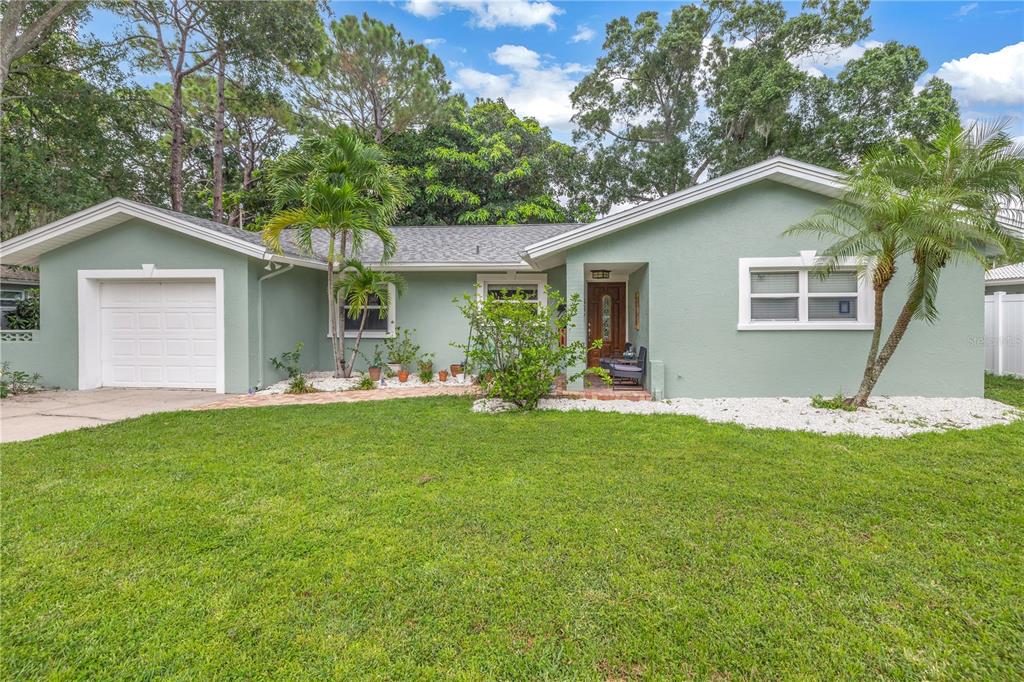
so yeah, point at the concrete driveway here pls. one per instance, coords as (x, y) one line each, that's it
(38, 414)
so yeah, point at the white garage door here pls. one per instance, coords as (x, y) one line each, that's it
(158, 334)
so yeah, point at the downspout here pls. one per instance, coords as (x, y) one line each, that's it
(259, 313)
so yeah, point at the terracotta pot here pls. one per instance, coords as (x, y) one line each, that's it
(403, 375)
(442, 376)
(427, 367)
(374, 373)
(456, 370)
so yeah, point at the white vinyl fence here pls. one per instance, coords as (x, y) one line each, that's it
(1004, 333)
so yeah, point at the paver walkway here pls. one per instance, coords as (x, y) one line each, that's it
(326, 397)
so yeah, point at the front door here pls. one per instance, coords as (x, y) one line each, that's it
(606, 319)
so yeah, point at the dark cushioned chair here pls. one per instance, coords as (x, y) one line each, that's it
(628, 372)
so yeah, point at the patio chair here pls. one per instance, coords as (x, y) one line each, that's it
(629, 374)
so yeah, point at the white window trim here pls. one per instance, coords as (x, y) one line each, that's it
(483, 281)
(806, 261)
(371, 334)
(89, 356)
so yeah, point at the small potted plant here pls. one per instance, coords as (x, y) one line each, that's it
(403, 374)
(426, 363)
(376, 364)
(456, 369)
(442, 375)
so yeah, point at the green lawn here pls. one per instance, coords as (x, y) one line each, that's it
(414, 540)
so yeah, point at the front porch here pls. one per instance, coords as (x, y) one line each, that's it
(614, 310)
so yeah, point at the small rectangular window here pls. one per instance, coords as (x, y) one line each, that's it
(505, 291)
(792, 293)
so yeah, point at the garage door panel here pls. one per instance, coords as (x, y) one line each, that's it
(150, 321)
(152, 348)
(176, 320)
(158, 334)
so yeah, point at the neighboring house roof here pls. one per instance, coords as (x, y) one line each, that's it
(9, 275)
(1007, 274)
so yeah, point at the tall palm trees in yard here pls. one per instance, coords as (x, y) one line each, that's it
(924, 205)
(343, 190)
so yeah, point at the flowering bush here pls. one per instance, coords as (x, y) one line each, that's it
(514, 345)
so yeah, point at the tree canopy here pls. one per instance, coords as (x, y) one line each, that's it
(671, 100)
(719, 86)
(484, 164)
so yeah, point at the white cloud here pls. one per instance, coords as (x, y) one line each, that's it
(516, 57)
(832, 57)
(534, 87)
(432, 42)
(996, 77)
(491, 14)
(964, 10)
(584, 34)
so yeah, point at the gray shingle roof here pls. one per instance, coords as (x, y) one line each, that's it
(450, 243)
(1015, 271)
(416, 245)
(251, 237)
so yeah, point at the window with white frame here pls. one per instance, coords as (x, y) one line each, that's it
(503, 286)
(379, 323)
(794, 293)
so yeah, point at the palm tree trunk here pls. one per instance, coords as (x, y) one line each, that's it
(339, 325)
(895, 336)
(359, 337)
(332, 313)
(867, 383)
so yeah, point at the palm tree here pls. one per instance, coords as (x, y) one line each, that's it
(937, 203)
(360, 285)
(342, 189)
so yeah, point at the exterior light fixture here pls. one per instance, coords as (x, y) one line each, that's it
(600, 274)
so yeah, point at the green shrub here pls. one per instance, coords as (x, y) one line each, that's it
(426, 374)
(839, 402)
(13, 382)
(289, 362)
(26, 314)
(517, 341)
(365, 383)
(300, 384)
(401, 350)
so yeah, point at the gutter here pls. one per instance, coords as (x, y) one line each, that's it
(259, 313)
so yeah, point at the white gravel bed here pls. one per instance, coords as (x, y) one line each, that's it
(325, 381)
(887, 417)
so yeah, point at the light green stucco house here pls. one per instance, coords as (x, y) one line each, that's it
(134, 295)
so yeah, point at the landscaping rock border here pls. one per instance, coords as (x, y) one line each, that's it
(888, 417)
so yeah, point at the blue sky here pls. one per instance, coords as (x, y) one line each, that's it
(533, 52)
